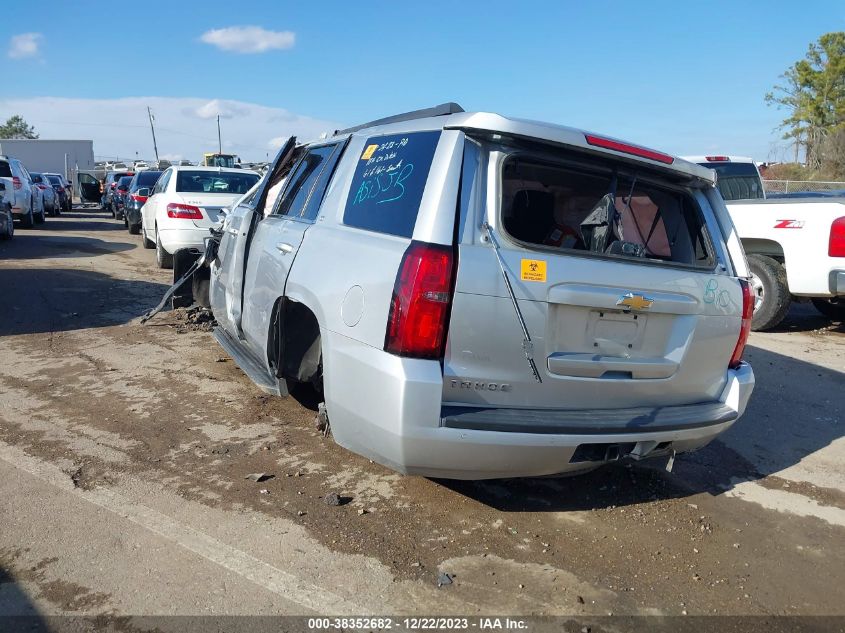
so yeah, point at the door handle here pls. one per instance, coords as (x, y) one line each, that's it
(284, 247)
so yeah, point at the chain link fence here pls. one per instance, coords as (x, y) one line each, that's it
(793, 186)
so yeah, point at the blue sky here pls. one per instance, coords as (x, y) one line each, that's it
(679, 76)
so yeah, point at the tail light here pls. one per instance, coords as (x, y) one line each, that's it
(745, 327)
(17, 182)
(139, 198)
(183, 211)
(422, 296)
(717, 159)
(836, 246)
(42, 187)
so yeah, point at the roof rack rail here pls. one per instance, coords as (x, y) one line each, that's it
(439, 110)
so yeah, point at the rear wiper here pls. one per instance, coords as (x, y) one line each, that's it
(527, 345)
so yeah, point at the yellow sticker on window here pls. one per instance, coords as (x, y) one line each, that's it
(368, 153)
(533, 270)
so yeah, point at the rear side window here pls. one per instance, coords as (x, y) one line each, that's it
(558, 206)
(389, 181)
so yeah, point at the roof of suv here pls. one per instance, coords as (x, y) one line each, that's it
(452, 116)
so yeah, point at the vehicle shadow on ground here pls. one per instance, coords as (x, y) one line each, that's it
(803, 317)
(16, 607)
(36, 244)
(796, 410)
(54, 300)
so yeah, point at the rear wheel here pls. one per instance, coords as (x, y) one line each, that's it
(134, 229)
(771, 292)
(41, 218)
(163, 258)
(28, 220)
(831, 308)
(10, 228)
(148, 243)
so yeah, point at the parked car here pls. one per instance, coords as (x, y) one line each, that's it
(63, 190)
(24, 200)
(795, 246)
(136, 197)
(7, 220)
(119, 196)
(480, 297)
(109, 185)
(184, 203)
(140, 165)
(49, 198)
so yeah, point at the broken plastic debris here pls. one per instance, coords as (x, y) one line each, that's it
(444, 579)
(259, 477)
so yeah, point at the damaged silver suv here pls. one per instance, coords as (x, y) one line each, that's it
(482, 297)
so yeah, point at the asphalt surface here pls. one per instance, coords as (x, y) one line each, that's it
(124, 452)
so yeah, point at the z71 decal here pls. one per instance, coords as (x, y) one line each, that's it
(790, 224)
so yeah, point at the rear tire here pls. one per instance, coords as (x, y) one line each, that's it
(832, 309)
(134, 229)
(28, 220)
(772, 298)
(148, 243)
(41, 218)
(163, 258)
(10, 229)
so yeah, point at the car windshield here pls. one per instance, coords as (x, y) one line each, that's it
(214, 182)
(737, 181)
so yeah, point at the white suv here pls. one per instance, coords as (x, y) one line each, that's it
(21, 192)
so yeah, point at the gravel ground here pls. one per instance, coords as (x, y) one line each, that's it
(125, 452)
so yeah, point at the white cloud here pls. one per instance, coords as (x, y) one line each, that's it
(216, 107)
(24, 45)
(248, 39)
(185, 127)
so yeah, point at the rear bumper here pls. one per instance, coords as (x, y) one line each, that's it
(177, 239)
(133, 216)
(837, 282)
(404, 427)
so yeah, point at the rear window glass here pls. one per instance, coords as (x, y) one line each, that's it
(55, 180)
(602, 213)
(737, 181)
(148, 178)
(214, 182)
(389, 181)
(124, 182)
(5, 169)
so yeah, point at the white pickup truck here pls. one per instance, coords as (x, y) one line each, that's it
(795, 246)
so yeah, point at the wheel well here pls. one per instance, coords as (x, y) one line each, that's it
(294, 347)
(769, 248)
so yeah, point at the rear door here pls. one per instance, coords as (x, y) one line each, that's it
(89, 187)
(238, 230)
(619, 328)
(278, 238)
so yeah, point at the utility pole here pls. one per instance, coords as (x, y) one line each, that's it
(152, 129)
(219, 141)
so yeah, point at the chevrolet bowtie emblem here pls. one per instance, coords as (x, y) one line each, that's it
(634, 302)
